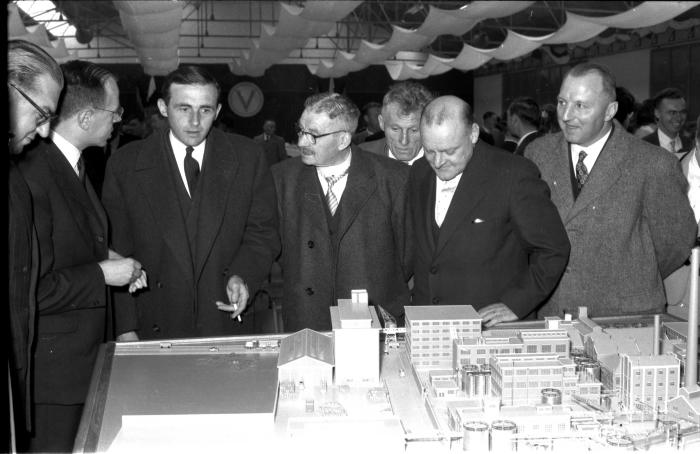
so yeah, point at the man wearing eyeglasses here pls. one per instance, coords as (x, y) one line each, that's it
(343, 219)
(196, 206)
(75, 263)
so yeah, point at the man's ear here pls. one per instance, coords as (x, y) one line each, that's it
(380, 118)
(474, 136)
(162, 107)
(345, 140)
(84, 118)
(611, 111)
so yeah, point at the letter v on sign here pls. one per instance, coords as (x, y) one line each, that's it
(245, 99)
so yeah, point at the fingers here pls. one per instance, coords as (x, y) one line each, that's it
(496, 313)
(139, 283)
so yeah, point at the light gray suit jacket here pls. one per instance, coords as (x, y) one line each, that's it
(629, 228)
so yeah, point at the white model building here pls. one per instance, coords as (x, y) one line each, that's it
(686, 405)
(306, 357)
(356, 340)
(431, 330)
(648, 382)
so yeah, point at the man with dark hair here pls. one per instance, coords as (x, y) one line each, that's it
(670, 112)
(486, 232)
(344, 219)
(488, 126)
(75, 264)
(523, 116)
(196, 206)
(400, 119)
(623, 203)
(372, 130)
(626, 107)
(271, 143)
(34, 82)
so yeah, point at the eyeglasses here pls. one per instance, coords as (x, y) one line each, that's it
(314, 137)
(45, 115)
(116, 114)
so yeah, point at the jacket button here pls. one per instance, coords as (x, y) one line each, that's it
(433, 270)
(310, 244)
(436, 300)
(156, 328)
(25, 268)
(100, 239)
(309, 291)
(159, 284)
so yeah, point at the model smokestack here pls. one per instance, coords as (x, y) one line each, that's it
(691, 352)
(657, 335)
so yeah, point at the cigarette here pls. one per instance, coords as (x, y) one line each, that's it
(235, 308)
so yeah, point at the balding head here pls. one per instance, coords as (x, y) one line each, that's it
(448, 133)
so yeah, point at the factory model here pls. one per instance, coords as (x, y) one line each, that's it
(571, 385)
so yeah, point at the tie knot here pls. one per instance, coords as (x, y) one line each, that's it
(189, 151)
(582, 155)
(331, 180)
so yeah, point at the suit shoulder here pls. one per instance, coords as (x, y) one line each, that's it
(287, 168)
(383, 165)
(34, 159)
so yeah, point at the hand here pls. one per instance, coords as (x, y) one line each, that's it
(237, 293)
(139, 283)
(118, 272)
(129, 336)
(496, 313)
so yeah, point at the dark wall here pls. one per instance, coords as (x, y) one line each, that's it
(285, 88)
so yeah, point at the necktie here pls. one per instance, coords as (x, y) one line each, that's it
(673, 146)
(331, 199)
(80, 165)
(581, 170)
(191, 170)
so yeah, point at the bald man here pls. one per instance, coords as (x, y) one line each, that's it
(487, 233)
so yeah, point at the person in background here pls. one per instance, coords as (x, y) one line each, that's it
(643, 122)
(626, 107)
(548, 119)
(372, 131)
(670, 112)
(523, 118)
(487, 129)
(272, 144)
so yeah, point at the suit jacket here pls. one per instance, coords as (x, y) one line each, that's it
(274, 148)
(520, 148)
(370, 247)
(377, 147)
(236, 233)
(501, 240)
(23, 266)
(71, 296)
(653, 139)
(629, 228)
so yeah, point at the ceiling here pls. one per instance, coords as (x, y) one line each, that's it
(250, 36)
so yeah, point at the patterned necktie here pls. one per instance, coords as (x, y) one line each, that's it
(191, 170)
(331, 199)
(673, 145)
(581, 170)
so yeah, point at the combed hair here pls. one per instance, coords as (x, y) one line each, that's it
(370, 105)
(667, 93)
(526, 109)
(410, 97)
(434, 115)
(609, 83)
(85, 87)
(336, 106)
(27, 61)
(188, 75)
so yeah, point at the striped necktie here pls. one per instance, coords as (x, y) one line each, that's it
(331, 199)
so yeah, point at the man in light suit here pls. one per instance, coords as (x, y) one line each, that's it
(400, 120)
(344, 219)
(623, 203)
(271, 143)
(75, 263)
(487, 233)
(196, 207)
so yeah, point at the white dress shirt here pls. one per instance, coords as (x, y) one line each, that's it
(694, 185)
(180, 153)
(331, 171)
(69, 150)
(592, 152)
(444, 192)
(665, 142)
(410, 163)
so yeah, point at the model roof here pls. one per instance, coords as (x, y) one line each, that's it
(306, 342)
(653, 361)
(434, 313)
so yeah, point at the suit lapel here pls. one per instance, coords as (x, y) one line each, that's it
(310, 199)
(218, 174)
(470, 190)
(562, 193)
(427, 202)
(360, 186)
(155, 179)
(604, 174)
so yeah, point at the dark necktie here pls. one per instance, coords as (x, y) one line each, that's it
(581, 170)
(191, 170)
(81, 169)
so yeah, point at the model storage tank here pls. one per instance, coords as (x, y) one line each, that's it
(619, 442)
(502, 436)
(466, 373)
(551, 396)
(588, 371)
(476, 436)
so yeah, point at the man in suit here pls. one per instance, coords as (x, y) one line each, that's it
(75, 264)
(487, 233)
(372, 131)
(400, 119)
(34, 83)
(344, 219)
(271, 143)
(523, 116)
(196, 207)
(486, 132)
(623, 203)
(670, 112)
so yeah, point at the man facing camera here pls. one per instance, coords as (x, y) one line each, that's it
(196, 206)
(344, 219)
(486, 232)
(271, 143)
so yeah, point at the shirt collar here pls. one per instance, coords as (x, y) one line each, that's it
(665, 140)
(69, 150)
(336, 169)
(525, 135)
(593, 149)
(179, 146)
(410, 163)
(440, 185)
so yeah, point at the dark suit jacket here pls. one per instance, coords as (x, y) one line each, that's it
(71, 297)
(23, 266)
(371, 248)
(520, 149)
(236, 233)
(274, 148)
(501, 240)
(377, 147)
(653, 139)
(629, 228)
